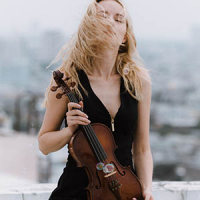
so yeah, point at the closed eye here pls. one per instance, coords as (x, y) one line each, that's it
(120, 21)
(117, 20)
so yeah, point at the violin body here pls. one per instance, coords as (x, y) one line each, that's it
(122, 185)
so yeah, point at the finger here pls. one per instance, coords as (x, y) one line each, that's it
(77, 122)
(72, 105)
(134, 199)
(76, 113)
(151, 198)
(79, 118)
(147, 197)
(81, 103)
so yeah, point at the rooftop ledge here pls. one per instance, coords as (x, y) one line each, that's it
(166, 190)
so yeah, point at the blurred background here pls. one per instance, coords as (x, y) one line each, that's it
(168, 40)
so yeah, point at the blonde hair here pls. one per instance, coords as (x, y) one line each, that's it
(93, 34)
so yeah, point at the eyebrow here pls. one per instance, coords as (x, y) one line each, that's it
(117, 14)
(120, 15)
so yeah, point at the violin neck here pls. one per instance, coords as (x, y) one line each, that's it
(90, 134)
(72, 97)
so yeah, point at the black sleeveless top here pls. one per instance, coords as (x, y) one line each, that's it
(73, 180)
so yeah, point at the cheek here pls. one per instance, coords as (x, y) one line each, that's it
(122, 31)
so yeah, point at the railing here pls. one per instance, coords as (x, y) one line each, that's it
(161, 190)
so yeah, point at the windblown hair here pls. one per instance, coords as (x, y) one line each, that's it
(95, 33)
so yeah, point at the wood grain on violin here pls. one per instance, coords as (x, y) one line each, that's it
(92, 147)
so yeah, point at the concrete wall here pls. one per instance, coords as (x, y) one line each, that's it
(18, 157)
(161, 191)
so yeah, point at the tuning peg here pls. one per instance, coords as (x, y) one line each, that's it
(59, 95)
(54, 88)
(67, 78)
(72, 84)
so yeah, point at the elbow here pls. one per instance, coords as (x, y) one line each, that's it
(142, 151)
(43, 151)
(42, 147)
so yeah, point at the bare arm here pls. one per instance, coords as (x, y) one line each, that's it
(50, 137)
(142, 153)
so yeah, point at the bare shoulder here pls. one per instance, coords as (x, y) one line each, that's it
(146, 85)
(52, 100)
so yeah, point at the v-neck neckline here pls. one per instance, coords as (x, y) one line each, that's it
(99, 100)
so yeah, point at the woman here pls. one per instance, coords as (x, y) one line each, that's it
(114, 89)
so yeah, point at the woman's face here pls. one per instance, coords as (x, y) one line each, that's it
(115, 12)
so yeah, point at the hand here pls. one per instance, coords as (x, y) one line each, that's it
(147, 195)
(76, 117)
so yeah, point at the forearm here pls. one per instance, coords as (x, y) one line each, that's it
(143, 163)
(54, 141)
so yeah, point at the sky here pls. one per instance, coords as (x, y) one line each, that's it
(171, 19)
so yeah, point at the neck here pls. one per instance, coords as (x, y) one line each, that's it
(105, 66)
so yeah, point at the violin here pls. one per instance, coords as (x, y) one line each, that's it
(92, 147)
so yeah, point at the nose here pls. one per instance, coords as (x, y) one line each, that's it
(112, 21)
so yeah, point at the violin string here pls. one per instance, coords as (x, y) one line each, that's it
(93, 135)
(89, 135)
(105, 157)
(93, 138)
(105, 160)
(99, 151)
(92, 143)
(88, 129)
